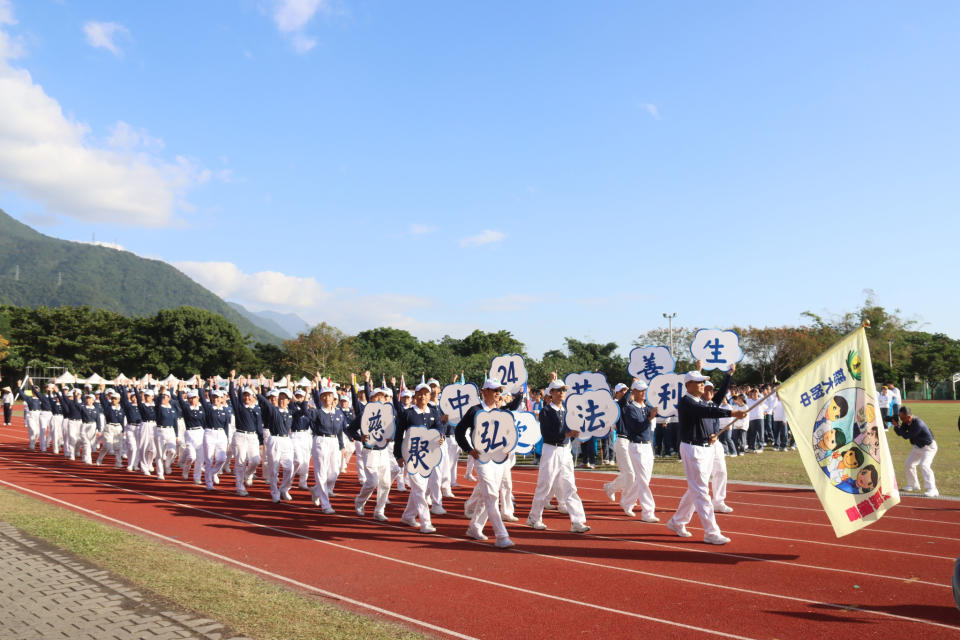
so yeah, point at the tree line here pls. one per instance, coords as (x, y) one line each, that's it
(188, 340)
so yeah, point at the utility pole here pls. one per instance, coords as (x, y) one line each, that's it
(59, 278)
(670, 317)
(890, 353)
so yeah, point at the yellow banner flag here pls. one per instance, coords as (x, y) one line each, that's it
(831, 407)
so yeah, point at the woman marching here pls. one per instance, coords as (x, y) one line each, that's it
(420, 414)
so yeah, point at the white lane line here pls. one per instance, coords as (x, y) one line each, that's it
(294, 534)
(533, 553)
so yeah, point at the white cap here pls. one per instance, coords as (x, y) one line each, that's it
(273, 393)
(433, 381)
(330, 390)
(219, 393)
(556, 384)
(406, 393)
(149, 392)
(694, 376)
(638, 385)
(422, 385)
(708, 383)
(491, 383)
(166, 393)
(285, 392)
(90, 395)
(193, 393)
(620, 386)
(248, 390)
(299, 392)
(114, 393)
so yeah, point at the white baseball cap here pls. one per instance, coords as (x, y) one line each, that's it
(491, 383)
(708, 383)
(638, 385)
(422, 385)
(193, 393)
(332, 390)
(694, 376)
(556, 384)
(406, 393)
(619, 387)
(433, 381)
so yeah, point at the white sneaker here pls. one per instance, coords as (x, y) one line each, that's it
(475, 534)
(467, 513)
(216, 478)
(428, 529)
(550, 507)
(630, 513)
(563, 510)
(410, 522)
(447, 493)
(316, 502)
(650, 519)
(286, 496)
(504, 543)
(275, 497)
(242, 492)
(358, 507)
(722, 508)
(610, 494)
(437, 510)
(329, 511)
(579, 528)
(379, 517)
(678, 529)
(538, 525)
(716, 539)
(909, 488)
(249, 482)
(932, 493)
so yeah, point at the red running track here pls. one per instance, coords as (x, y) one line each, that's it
(785, 575)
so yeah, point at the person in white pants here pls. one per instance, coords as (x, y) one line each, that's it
(216, 428)
(422, 414)
(111, 438)
(556, 464)
(696, 449)
(375, 462)
(924, 450)
(302, 438)
(31, 411)
(489, 474)
(625, 471)
(147, 435)
(277, 421)
(72, 421)
(46, 418)
(718, 475)
(166, 433)
(327, 427)
(194, 420)
(248, 436)
(638, 418)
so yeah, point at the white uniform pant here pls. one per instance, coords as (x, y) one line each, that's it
(56, 432)
(111, 441)
(32, 421)
(361, 469)
(434, 481)
(88, 435)
(345, 454)
(166, 449)
(641, 460)
(922, 456)
(147, 447)
(398, 473)
(506, 486)
(448, 468)
(626, 474)
(246, 456)
(698, 465)
(131, 441)
(376, 469)
(489, 478)
(326, 468)
(46, 434)
(471, 468)
(302, 452)
(214, 454)
(265, 461)
(281, 461)
(192, 453)
(417, 500)
(71, 439)
(718, 479)
(556, 470)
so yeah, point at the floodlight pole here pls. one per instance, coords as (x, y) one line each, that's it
(890, 353)
(670, 317)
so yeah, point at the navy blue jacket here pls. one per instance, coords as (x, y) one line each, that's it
(215, 417)
(132, 411)
(694, 417)
(917, 432)
(412, 418)
(193, 418)
(249, 419)
(636, 421)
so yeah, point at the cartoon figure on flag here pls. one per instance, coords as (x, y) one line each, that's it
(716, 348)
(831, 406)
(647, 363)
(455, 399)
(586, 381)
(511, 370)
(593, 413)
(421, 449)
(494, 435)
(528, 432)
(378, 424)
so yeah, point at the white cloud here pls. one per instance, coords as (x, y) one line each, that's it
(6, 12)
(109, 245)
(652, 110)
(292, 17)
(52, 159)
(103, 35)
(421, 229)
(487, 236)
(10, 47)
(270, 288)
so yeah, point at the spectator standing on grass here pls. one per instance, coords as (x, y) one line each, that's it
(7, 406)
(918, 433)
(885, 399)
(896, 400)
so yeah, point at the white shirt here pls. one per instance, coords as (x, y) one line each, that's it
(897, 398)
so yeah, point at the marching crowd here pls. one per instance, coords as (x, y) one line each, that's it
(307, 434)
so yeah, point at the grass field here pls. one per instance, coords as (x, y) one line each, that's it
(246, 603)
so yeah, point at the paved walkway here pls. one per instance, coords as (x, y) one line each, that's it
(47, 593)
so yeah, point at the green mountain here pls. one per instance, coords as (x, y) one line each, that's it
(37, 270)
(265, 320)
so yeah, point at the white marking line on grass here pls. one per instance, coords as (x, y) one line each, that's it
(361, 551)
(871, 529)
(532, 553)
(249, 567)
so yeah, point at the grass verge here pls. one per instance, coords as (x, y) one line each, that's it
(245, 602)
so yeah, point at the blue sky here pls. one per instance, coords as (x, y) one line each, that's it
(555, 169)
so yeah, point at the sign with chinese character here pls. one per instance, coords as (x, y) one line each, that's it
(592, 413)
(528, 432)
(585, 381)
(378, 423)
(717, 348)
(647, 363)
(511, 371)
(664, 392)
(831, 406)
(421, 450)
(455, 399)
(494, 435)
